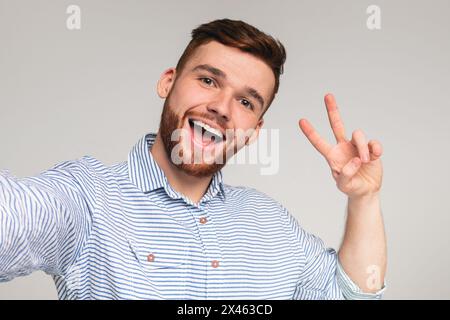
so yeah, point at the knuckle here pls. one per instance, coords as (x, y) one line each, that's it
(376, 144)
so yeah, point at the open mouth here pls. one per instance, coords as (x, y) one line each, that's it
(205, 134)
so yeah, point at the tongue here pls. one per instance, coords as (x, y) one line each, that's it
(202, 138)
(207, 138)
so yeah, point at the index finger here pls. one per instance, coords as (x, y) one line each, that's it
(335, 119)
(316, 140)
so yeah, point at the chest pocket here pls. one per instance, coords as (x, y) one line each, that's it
(158, 255)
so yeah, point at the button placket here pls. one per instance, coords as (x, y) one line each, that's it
(212, 251)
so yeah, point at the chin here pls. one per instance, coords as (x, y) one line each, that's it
(200, 170)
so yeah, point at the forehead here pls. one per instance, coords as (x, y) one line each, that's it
(241, 68)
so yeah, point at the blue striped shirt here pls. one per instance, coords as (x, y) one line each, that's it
(122, 232)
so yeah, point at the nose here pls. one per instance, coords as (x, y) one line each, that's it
(221, 107)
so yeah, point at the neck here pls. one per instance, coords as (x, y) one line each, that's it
(192, 187)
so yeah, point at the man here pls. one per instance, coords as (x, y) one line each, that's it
(163, 225)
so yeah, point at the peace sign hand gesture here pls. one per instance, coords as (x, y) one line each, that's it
(355, 164)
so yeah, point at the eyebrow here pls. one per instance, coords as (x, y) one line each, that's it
(219, 73)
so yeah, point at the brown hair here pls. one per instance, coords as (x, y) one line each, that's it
(238, 34)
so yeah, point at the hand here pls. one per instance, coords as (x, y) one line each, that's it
(355, 164)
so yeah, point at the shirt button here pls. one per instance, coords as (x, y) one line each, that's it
(215, 264)
(203, 220)
(151, 257)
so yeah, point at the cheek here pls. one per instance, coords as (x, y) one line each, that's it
(190, 96)
(243, 119)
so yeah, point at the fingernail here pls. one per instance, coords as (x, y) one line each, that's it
(366, 157)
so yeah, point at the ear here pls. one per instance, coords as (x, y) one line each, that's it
(255, 133)
(166, 82)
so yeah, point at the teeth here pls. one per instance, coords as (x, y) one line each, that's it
(208, 128)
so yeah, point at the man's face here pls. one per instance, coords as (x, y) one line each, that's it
(213, 107)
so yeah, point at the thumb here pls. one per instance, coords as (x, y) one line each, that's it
(344, 180)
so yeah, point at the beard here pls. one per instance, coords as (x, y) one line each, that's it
(170, 122)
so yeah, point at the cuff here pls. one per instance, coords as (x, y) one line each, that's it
(351, 291)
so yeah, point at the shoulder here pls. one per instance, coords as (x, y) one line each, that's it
(250, 196)
(243, 196)
(87, 166)
(85, 173)
(253, 203)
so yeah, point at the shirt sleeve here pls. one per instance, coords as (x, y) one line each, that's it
(45, 220)
(351, 291)
(322, 276)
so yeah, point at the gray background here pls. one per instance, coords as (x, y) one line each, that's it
(65, 94)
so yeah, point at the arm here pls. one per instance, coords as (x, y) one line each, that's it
(357, 169)
(363, 251)
(44, 220)
(322, 276)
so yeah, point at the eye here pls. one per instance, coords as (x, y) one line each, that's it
(208, 81)
(247, 104)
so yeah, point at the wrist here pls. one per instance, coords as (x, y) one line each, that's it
(367, 197)
(365, 201)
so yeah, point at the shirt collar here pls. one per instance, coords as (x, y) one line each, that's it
(146, 174)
